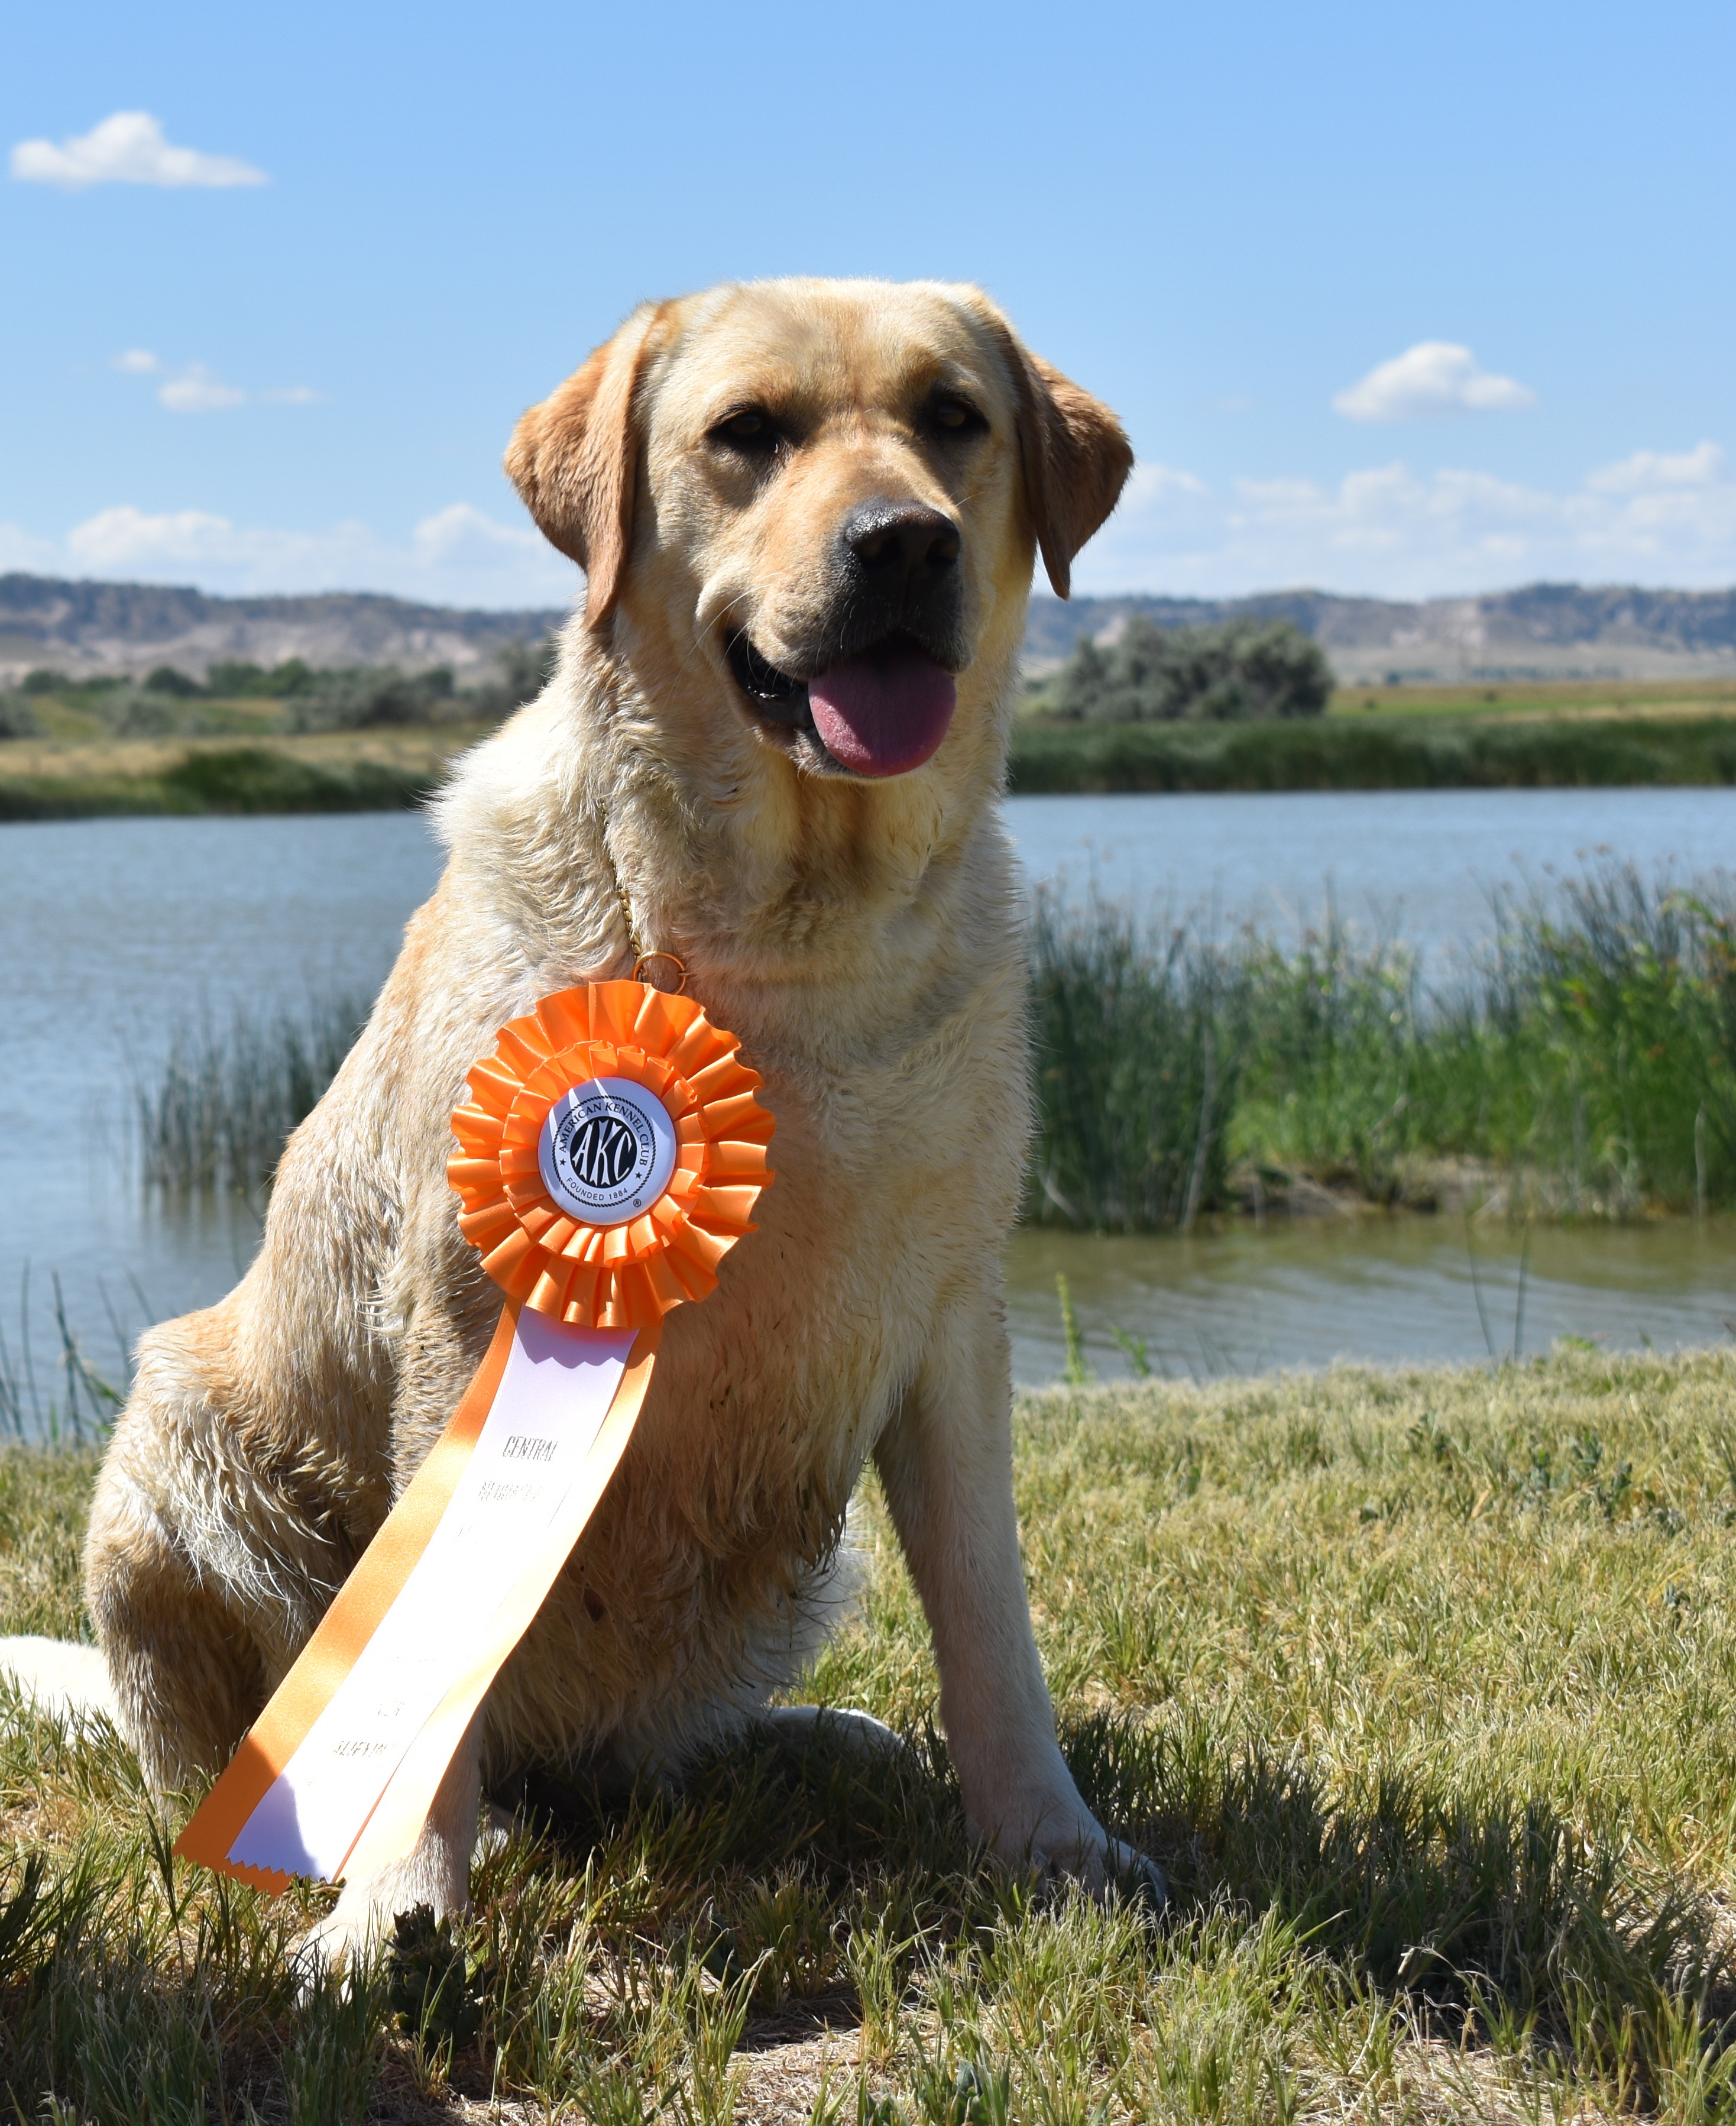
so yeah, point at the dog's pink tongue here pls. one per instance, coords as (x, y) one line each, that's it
(885, 713)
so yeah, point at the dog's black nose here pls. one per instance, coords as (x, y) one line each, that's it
(903, 540)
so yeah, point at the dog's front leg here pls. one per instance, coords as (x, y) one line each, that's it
(946, 1462)
(437, 1874)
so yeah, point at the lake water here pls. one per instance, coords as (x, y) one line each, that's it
(1370, 1287)
(116, 931)
(1419, 864)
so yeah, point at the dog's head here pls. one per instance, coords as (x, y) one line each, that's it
(826, 494)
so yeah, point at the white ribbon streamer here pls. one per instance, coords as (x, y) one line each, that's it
(505, 1519)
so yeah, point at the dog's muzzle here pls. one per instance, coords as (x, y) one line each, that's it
(876, 697)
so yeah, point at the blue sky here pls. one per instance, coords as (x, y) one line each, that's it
(1393, 300)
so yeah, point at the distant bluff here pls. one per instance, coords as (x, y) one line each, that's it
(1542, 631)
(89, 629)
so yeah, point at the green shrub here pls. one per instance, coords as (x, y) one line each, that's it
(165, 679)
(1245, 672)
(236, 677)
(144, 712)
(18, 718)
(364, 699)
(252, 778)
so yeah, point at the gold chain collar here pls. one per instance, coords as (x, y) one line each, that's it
(641, 957)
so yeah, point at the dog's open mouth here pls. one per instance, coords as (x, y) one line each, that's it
(883, 712)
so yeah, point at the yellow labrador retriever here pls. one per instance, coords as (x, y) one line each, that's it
(807, 513)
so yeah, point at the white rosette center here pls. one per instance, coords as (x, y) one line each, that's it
(606, 1150)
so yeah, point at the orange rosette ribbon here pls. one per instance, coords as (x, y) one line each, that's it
(612, 1152)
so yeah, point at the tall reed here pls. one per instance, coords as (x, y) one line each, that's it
(69, 1399)
(219, 1112)
(1139, 1050)
(1591, 1058)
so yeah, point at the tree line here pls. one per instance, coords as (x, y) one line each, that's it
(356, 697)
(1245, 672)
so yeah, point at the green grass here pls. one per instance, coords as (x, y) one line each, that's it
(291, 740)
(229, 779)
(1492, 699)
(61, 1394)
(1372, 752)
(239, 697)
(1587, 1069)
(1535, 698)
(79, 775)
(1422, 1686)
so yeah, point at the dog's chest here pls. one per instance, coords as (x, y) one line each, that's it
(895, 1186)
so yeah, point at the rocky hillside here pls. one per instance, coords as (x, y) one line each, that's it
(89, 628)
(1546, 630)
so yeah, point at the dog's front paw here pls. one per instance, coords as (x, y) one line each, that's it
(1135, 1878)
(349, 1936)
(1069, 1845)
(1105, 1867)
(359, 1925)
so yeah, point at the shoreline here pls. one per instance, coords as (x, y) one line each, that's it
(395, 769)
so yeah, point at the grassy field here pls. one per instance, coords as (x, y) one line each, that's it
(1576, 699)
(238, 756)
(1545, 735)
(382, 770)
(1422, 1687)
(1376, 752)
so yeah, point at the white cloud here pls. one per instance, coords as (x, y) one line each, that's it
(1384, 530)
(20, 550)
(128, 148)
(124, 537)
(460, 531)
(459, 556)
(1387, 530)
(1648, 470)
(194, 390)
(1149, 482)
(1433, 377)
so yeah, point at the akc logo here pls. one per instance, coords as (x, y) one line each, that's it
(607, 1150)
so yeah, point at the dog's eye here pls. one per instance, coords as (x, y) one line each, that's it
(749, 430)
(956, 417)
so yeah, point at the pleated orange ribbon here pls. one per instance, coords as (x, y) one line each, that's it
(611, 1155)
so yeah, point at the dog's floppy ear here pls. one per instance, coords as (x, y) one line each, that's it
(1076, 455)
(574, 460)
(1076, 460)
